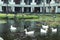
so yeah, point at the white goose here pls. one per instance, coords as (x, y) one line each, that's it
(45, 26)
(1, 38)
(30, 33)
(44, 29)
(54, 30)
(12, 29)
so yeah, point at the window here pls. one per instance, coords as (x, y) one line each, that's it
(37, 9)
(17, 9)
(28, 2)
(5, 1)
(27, 9)
(38, 1)
(58, 6)
(17, 1)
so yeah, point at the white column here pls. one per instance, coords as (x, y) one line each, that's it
(22, 2)
(40, 9)
(52, 1)
(47, 10)
(45, 1)
(52, 9)
(1, 3)
(0, 0)
(56, 9)
(22, 9)
(13, 9)
(12, 2)
(33, 2)
(1, 8)
(32, 9)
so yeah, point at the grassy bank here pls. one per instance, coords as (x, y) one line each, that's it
(33, 17)
(50, 19)
(20, 16)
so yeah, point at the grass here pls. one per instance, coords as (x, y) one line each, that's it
(48, 18)
(40, 17)
(20, 16)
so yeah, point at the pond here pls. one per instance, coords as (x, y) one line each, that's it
(21, 25)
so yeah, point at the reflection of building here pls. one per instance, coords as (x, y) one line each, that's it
(29, 5)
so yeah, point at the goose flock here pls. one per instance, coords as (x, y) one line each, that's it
(43, 30)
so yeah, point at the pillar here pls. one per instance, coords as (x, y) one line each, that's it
(22, 9)
(32, 9)
(52, 1)
(47, 10)
(56, 9)
(1, 3)
(52, 8)
(0, 8)
(33, 2)
(22, 2)
(13, 9)
(40, 9)
(12, 2)
(45, 1)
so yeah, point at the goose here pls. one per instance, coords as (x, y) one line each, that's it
(12, 29)
(54, 30)
(44, 27)
(42, 31)
(30, 33)
(1, 38)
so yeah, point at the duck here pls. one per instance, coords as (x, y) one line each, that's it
(54, 30)
(1, 38)
(12, 29)
(30, 33)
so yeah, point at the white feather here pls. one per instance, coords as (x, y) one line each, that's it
(13, 29)
(54, 30)
(43, 31)
(30, 33)
(1, 38)
(45, 27)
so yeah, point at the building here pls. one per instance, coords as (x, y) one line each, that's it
(30, 6)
